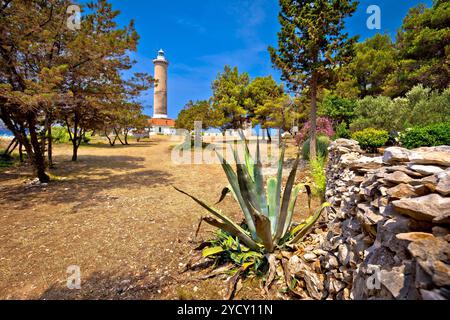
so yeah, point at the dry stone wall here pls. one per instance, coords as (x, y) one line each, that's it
(389, 235)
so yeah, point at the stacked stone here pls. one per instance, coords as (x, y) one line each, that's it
(389, 237)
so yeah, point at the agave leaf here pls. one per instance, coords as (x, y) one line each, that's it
(263, 230)
(259, 181)
(246, 184)
(309, 193)
(303, 229)
(286, 200)
(279, 179)
(249, 163)
(224, 193)
(299, 227)
(272, 202)
(291, 207)
(211, 251)
(233, 180)
(235, 231)
(227, 225)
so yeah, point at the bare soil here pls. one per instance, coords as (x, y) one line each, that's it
(115, 214)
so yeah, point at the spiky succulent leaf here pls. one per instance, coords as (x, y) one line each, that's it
(246, 184)
(300, 231)
(225, 224)
(291, 208)
(249, 163)
(263, 230)
(233, 180)
(272, 202)
(259, 181)
(283, 214)
(280, 177)
(224, 193)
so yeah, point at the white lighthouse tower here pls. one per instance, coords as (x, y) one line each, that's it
(161, 123)
(160, 95)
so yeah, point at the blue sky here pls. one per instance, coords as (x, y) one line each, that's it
(201, 36)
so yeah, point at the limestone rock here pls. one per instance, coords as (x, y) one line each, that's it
(433, 256)
(344, 254)
(314, 284)
(440, 231)
(403, 190)
(414, 236)
(310, 257)
(330, 262)
(439, 158)
(395, 155)
(434, 149)
(333, 285)
(425, 170)
(356, 161)
(404, 169)
(432, 208)
(393, 280)
(398, 177)
(443, 186)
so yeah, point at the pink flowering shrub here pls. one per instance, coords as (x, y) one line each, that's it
(324, 128)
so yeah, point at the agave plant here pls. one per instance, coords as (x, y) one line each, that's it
(268, 212)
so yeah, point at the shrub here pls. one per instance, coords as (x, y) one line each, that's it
(380, 113)
(370, 139)
(429, 136)
(337, 108)
(60, 135)
(342, 132)
(323, 143)
(419, 107)
(87, 137)
(319, 177)
(324, 127)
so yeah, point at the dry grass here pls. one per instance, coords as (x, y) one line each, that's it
(115, 214)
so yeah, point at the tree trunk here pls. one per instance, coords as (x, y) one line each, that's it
(118, 137)
(20, 153)
(126, 137)
(111, 142)
(74, 138)
(313, 120)
(269, 137)
(37, 156)
(50, 147)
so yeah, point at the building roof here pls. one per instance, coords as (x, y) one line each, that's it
(162, 122)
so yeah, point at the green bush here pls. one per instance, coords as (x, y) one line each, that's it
(429, 136)
(87, 137)
(323, 143)
(342, 132)
(319, 177)
(370, 139)
(60, 135)
(420, 107)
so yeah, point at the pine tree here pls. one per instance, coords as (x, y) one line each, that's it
(230, 98)
(311, 46)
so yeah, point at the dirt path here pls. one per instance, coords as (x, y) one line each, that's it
(116, 216)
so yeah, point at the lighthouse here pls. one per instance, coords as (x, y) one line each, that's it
(161, 124)
(160, 95)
